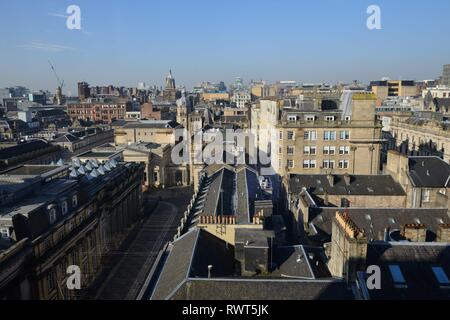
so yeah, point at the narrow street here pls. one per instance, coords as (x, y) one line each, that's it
(131, 265)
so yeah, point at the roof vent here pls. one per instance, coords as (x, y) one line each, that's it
(330, 179)
(209, 270)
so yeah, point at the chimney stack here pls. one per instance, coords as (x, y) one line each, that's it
(415, 232)
(443, 233)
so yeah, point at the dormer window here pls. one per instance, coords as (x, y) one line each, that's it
(4, 233)
(329, 118)
(292, 118)
(310, 118)
(52, 215)
(74, 201)
(64, 207)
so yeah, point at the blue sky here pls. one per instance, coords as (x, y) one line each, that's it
(125, 42)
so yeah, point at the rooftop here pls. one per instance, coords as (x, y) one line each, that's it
(411, 271)
(319, 184)
(432, 172)
(185, 274)
(374, 221)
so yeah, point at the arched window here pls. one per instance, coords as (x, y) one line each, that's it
(74, 201)
(64, 207)
(52, 215)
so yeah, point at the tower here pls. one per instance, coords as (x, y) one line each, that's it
(170, 81)
(182, 112)
(170, 91)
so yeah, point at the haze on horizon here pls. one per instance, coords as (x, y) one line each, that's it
(126, 42)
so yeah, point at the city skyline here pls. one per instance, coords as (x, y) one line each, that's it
(200, 41)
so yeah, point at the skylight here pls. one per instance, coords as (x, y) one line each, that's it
(397, 276)
(441, 277)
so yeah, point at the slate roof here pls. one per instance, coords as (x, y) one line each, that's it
(66, 138)
(22, 148)
(429, 172)
(415, 262)
(153, 124)
(185, 274)
(268, 289)
(241, 187)
(372, 185)
(375, 220)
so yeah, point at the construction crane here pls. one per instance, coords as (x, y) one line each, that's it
(61, 83)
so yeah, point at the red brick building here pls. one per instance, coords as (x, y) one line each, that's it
(98, 111)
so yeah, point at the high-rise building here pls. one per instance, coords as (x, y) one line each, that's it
(446, 75)
(83, 91)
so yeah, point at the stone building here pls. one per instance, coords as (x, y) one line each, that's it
(420, 136)
(53, 217)
(360, 191)
(156, 131)
(37, 151)
(170, 92)
(412, 264)
(426, 180)
(160, 171)
(312, 136)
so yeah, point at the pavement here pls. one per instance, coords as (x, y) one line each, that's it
(130, 266)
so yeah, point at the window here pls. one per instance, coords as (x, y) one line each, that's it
(328, 164)
(329, 135)
(290, 135)
(344, 150)
(348, 118)
(4, 233)
(310, 118)
(292, 118)
(281, 135)
(426, 195)
(441, 276)
(343, 164)
(51, 281)
(290, 150)
(290, 164)
(64, 208)
(310, 135)
(52, 215)
(309, 164)
(309, 150)
(74, 201)
(329, 118)
(74, 256)
(344, 135)
(397, 276)
(329, 150)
